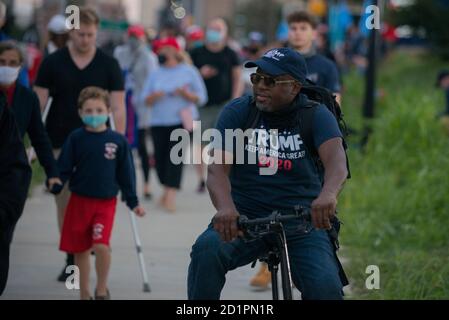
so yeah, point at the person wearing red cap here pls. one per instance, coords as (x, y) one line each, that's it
(158, 44)
(137, 62)
(194, 37)
(172, 93)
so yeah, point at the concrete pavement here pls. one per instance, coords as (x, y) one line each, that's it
(166, 238)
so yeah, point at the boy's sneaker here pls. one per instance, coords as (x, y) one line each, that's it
(63, 276)
(70, 261)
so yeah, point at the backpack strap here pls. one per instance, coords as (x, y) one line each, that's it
(306, 115)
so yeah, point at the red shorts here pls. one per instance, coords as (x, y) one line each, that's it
(87, 221)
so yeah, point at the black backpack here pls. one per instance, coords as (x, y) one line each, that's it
(317, 95)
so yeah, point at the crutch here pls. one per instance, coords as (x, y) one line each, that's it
(30, 151)
(143, 269)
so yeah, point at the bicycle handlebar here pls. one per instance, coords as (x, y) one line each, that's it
(274, 218)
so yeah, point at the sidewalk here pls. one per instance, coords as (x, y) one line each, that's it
(166, 240)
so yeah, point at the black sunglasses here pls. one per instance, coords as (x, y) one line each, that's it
(267, 80)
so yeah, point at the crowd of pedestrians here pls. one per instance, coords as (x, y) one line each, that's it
(99, 108)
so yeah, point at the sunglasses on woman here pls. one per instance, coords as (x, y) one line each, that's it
(267, 80)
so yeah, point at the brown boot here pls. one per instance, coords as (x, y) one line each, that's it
(262, 279)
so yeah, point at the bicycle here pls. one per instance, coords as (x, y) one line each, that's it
(277, 253)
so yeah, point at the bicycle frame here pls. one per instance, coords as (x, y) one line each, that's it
(278, 255)
(278, 251)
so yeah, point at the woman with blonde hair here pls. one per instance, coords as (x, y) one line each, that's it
(172, 92)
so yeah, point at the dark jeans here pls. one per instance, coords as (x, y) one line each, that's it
(6, 234)
(169, 174)
(313, 264)
(143, 154)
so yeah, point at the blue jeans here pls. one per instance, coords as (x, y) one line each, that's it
(313, 264)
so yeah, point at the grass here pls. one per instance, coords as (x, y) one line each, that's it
(395, 207)
(38, 177)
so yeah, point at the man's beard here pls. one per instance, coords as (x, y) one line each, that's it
(263, 108)
(287, 117)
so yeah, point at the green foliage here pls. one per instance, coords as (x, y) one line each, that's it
(38, 177)
(395, 208)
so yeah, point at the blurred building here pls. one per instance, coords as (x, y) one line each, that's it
(243, 15)
(155, 12)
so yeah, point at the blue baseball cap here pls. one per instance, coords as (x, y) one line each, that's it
(281, 61)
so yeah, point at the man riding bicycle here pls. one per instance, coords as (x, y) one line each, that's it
(244, 189)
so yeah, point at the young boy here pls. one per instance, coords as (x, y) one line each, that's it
(97, 161)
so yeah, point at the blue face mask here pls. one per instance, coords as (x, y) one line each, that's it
(94, 121)
(213, 36)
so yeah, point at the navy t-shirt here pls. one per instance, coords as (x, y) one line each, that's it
(323, 72)
(297, 180)
(98, 165)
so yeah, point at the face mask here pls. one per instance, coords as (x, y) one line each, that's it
(162, 59)
(94, 121)
(8, 75)
(213, 36)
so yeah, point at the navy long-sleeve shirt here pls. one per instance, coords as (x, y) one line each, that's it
(15, 172)
(25, 107)
(98, 165)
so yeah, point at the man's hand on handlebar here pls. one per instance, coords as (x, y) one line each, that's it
(225, 223)
(323, 209)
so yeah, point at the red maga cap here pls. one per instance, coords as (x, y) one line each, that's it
(137, 31)
(166, 42)
(194, 33)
